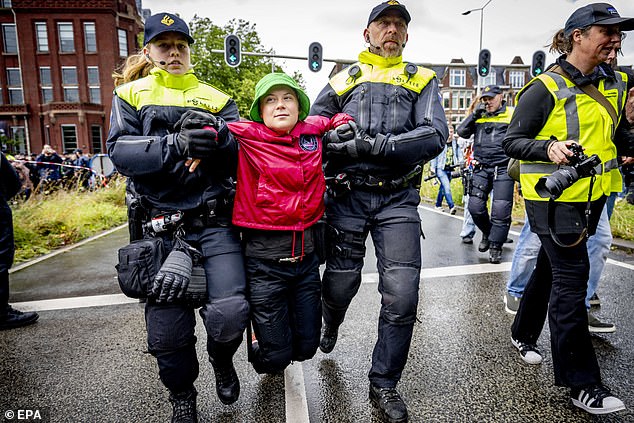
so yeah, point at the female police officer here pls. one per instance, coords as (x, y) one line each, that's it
(557, 111)
(156, 125)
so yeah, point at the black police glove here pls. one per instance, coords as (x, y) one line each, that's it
(479, 111)
(341, 133)
(362, 145)
(198, 135)
(172, 280)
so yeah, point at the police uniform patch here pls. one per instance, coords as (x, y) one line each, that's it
(308, 142)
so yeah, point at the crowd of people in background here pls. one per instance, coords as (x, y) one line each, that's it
(51, 170)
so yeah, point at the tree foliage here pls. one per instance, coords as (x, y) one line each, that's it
(238, 82)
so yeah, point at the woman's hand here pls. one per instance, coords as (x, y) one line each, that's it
(558, 151)
(192, 164)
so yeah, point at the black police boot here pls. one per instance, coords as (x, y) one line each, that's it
(11, 318)
(184, 406)
(227, 382)
(328, 338)
(390, 403)
(495, 253)
(484, 244)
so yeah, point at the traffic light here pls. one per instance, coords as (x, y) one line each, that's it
(484, 62)
(233, 55)
(539, 61)
(315, 57)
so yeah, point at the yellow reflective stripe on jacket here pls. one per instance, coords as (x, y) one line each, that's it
(342, 82)
(504, 117)
(164, 89)
(577, 116)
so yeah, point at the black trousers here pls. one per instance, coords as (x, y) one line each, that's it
(557, 287)
(7, 249)
(487, 179)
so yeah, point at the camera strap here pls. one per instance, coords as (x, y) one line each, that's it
(551, 219)
(592, 92)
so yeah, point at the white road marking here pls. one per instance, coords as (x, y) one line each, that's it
(295, 394)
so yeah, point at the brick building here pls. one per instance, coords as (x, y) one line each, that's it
(56, 64)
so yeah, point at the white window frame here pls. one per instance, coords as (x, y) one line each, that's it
(94, 87)
(517, 79)
(14, 47)
(13, 89)
(46, 86)
(62, 29)
(457, 77)
(490, 79)
(41, 37)
(88, 33)
(70, 86)
(69, 145)
(122, 35)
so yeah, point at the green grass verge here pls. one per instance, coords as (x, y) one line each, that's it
(622, 221)
(47, 222)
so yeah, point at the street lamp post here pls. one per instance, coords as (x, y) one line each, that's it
(481, 10)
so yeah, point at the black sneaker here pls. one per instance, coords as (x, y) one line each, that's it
(594, 300)
(184, 406)
(495, 254)
(390, 403)
(484, 244)
(227, 383)
(13, 318)
(596, 399)
(528, 352)
(328, 338)
(597, 326)
(467, 239)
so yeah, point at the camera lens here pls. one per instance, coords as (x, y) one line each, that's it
(554, 185)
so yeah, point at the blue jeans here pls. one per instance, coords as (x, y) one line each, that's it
(528, 245)
(445, 188)
(468, 227)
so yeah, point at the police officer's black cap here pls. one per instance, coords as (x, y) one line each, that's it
(382, 8)
(165, 22)
(597, 14)
(491, 91)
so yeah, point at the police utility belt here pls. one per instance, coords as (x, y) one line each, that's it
(372, 183)
(215, 212)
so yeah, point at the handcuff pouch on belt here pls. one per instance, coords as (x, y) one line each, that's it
(344, 182)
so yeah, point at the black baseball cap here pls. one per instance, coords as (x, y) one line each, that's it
(597, 14)
(491, 91)
(389, 5)
(165, 22)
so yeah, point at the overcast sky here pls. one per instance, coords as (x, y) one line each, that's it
(437, 33)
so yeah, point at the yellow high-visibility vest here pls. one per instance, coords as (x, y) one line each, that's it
(577, 116)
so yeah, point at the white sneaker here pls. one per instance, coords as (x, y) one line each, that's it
(596, 399)
(439, 208)
(528, 352)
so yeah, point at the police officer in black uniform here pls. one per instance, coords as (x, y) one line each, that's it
(162, 118)
(489, 122)
(372, 173)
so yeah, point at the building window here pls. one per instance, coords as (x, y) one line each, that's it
(1, 100)
(445, 99)
(46, 84)
(516, 79)
(19, 136)
(94, 90)
(41, 37)
(14, 83)
(460, 99)
(488, 80)
(69, 84)
(5, 3)
(66, 37)
(457, 78)
(123, 43)
(90, 37)
(95, 135)
(9, 38)
(69, 137)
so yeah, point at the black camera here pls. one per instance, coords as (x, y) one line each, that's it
(581, 166)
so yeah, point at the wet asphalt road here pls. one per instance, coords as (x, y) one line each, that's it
(84, 362)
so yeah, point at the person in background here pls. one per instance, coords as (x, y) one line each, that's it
(162, 117)
(488, 124)
(557, 112)
(468, 230)
(401, 124)
(48, 165)
(10, 318)
(442, 166)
